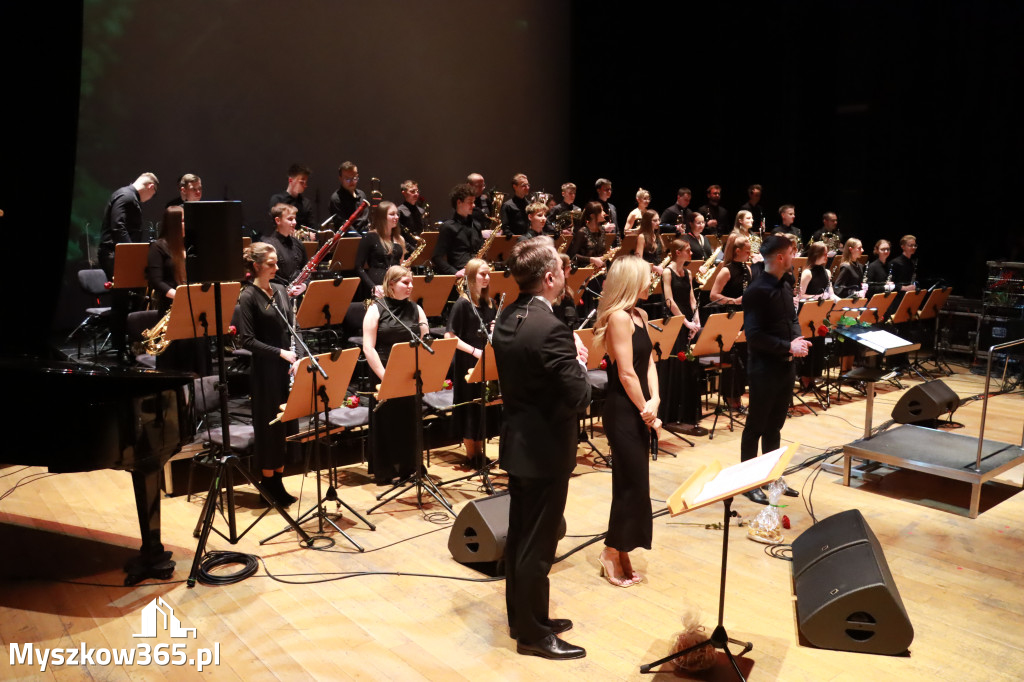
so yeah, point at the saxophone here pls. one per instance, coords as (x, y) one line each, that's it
(153, 341)
(415, 252)
(656, 280)
(703, 277)
(608, 257)
(495, 218)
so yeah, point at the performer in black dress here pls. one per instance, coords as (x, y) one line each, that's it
(681, 402)
(879, 272)
(630, 412)
(849, 281)
(727, 293)
(464, 325)
(381, 247)
(815, 284)
(392, 442)
(262, 332)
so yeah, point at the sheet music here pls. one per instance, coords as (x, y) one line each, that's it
(740, 475)
(880, 340)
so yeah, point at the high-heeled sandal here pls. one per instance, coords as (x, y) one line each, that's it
(608, 572)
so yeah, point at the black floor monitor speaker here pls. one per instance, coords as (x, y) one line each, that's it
(479, 532)
(925, 402)
(845, 595)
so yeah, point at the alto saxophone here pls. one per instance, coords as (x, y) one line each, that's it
(495, 218)
(608, 257)
(656, 280)
(153, 341)
(415, 252)
(703, 277)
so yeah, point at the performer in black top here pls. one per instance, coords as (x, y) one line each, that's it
(291, 254)
(904, 266)
(122, 223)
(410, 213)
(460, 239)
(677, 216)
(715, 216)
(815, 284)
(648, 243)
(262, 332)
(587, 245)
(680, 378)
(567, 204)
(727, 293)
(879, 272)
(544, 387)
(773, 340)
(344, 201)
(381, 247)
(190, 188)
(482, 205)
(787, 215)
(464, 325)
(392, 436)
(849, 282)
(631, 412)
(293, 195)
(829, 226)
(753, 204)
(537, 218)
(513, 211)
(700, 245)
(603, 186)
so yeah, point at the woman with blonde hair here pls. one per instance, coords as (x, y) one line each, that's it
(643, 200)
(630, 412)
(387, 322)
(464, 324)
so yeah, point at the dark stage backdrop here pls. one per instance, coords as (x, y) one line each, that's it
(901, 117)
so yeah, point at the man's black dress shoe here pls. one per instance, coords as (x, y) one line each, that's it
(789, 492)
(557, 625)
(551, 647)
(756, 495)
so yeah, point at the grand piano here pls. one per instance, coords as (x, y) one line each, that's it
(89, 419)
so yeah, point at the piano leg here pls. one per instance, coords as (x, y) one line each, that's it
(153, 561)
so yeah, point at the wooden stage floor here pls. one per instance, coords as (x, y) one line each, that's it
(329, 616)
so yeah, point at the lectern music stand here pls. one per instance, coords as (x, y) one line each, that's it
(709, 484)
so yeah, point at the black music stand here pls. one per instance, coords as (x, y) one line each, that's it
(708, 485)
(302, 401)
(404, 376)
(936, 300)
(718, 337)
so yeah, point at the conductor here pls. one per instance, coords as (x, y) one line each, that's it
(544, 385)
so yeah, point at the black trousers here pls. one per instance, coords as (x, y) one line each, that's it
(536, 506)
(770, 393)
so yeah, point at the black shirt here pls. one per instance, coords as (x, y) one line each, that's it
(410, 216)
(513, 216)
(586, 245)
(122, 222)
(769, 321)
(757, 211)
(304, 209)
(903, 270)
(848, 280)
(343, 204)
(558, 210)
(458, 242)
(291, 256)
(675, 215)
(700, 246)
(717, 213)
(613, 215)
(482, 209)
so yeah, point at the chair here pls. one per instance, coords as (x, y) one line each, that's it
(96, 323)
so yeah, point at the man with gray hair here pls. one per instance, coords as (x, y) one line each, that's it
(544, 386)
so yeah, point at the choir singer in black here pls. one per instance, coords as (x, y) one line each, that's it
(544, 386)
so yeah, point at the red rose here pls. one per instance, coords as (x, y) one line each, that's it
(681, 355)
(604, 363)
(785, 522)
(447, 383)
(355, 401)
(822, 330)
(232, 330)
(108, 285)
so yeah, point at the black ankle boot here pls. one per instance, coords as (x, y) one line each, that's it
(284, 497)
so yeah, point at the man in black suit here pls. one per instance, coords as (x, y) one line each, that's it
(544, 385)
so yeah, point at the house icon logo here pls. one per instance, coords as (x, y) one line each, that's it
(157, 615)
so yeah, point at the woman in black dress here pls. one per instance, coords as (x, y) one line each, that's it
(387, 322)
(630, 412)
(464, 325)
(727, 294)
(262, 332)
(849, 281)
(682, 399)
(815, 285)
(381, 247)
